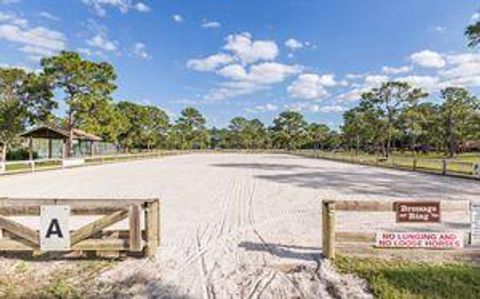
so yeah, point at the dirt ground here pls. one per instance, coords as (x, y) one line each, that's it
(239, 225)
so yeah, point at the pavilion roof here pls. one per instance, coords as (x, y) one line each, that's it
(59, 133)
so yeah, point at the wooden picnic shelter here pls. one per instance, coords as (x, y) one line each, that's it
(54, 133)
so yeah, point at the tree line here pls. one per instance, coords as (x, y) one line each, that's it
(397, 115)
(83, 90)
(392, 116)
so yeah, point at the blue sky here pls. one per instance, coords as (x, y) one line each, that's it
(251, 58)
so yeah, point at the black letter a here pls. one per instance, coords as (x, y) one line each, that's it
(54, 229)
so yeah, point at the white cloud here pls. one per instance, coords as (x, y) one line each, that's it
(124, 6)
(248, 67)
(352, 76)
(328, 80)
(396, 70)
(37, 40)
(463, 70)
(372, 81)
(211, 24)
(142, 7)
(475, 17)
(13, 19)
(332, 109)
(263, 108)
(463, 58)
(233, 71)
(302, 106)
(102, 42)
(271, 72)
(85, 51)
(177, 18)
(352, 95)
(232, 89)
(267, 107)
(440, 29)
(140, 50)
(243, 50)
(258, 77)
(293, 44)
(250, 51)
(429, 59)
(264, 73)
(311, 86)
(428, 83)
(210, 63)
(49, 16)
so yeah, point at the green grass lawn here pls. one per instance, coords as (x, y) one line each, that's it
(18, 167)
(32, 279)
(463, 157)
(405, 279)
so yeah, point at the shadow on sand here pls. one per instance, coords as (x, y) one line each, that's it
(363, 180)
(285, 251)
(261, 166)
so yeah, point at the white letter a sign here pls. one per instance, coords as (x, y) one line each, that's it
(54, 228)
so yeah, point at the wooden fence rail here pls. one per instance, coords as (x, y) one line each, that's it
(447, 167)
(331, 237)
(91, 237)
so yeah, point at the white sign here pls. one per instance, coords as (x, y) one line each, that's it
(73, 162)
(475, 223)
(54, 228)
(432, 240)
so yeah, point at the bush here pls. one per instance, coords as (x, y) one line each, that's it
(20, 154)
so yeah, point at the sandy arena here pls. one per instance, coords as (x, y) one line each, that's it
(236, 225)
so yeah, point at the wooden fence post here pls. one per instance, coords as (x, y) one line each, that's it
(414, 164)
(328, 230)
(152, 226)
(444, 167)
(135, 229)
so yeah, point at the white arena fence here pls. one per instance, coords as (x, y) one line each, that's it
(12, 167)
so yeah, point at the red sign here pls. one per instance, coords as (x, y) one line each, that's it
(433, 240)
(417, 211)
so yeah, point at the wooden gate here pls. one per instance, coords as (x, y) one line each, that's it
(142, 235)
(332, 238)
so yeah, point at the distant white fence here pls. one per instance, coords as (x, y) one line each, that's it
(11, 167)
